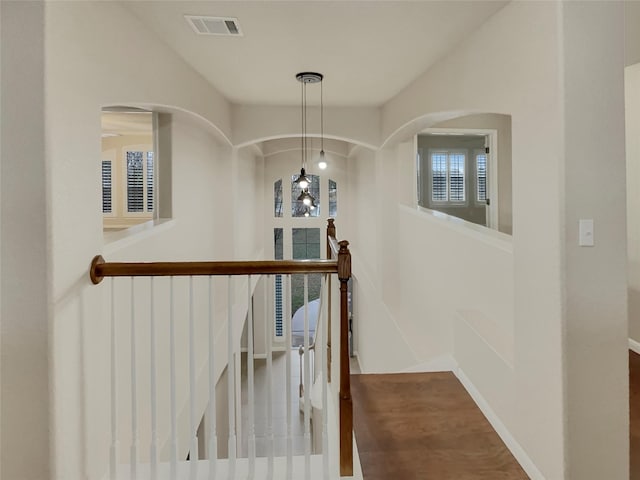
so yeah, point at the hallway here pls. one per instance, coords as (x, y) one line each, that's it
(424, 438)
(425, 426)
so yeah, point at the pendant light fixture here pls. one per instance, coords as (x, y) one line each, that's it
(322, 162)
(303, 181)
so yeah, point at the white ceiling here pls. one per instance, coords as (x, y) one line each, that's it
(367, 50)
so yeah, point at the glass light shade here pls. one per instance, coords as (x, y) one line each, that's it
(322, 161)
(302, 181)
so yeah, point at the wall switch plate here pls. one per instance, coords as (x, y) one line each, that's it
(586, 233)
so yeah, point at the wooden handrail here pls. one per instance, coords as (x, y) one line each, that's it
(338, 262)
(340, 251)
(334, 247)
(101, 269)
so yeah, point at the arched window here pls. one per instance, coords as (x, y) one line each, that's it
(333, 198)
(277, 198)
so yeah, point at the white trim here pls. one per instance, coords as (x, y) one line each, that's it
(634, 346)
(514, 447)
(486, 235)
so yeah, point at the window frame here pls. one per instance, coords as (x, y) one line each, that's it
(110, 156)
(476, 153)
(448, 201)
(491, 135)
(125, 184)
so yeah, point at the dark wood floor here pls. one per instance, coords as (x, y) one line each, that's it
(425, 426)
(634, 413)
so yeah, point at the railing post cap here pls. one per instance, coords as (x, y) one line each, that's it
(95, 278)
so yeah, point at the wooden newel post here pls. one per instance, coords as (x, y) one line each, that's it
(346, 407)
(331, 233)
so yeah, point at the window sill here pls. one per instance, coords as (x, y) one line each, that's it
(119, 239)
(487, 235)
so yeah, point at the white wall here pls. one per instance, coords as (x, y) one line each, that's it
(25, 414)
(520, 329)
(133, 67)
(632, 129)
(632, 32)
(380, 344)
(595, 280)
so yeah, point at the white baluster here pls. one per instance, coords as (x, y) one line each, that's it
(320, 350)
(231, 382)
(213, 435)
(134, 393)
(251, 440)
(113, 454)
(153, 450)
(286, 298)
(172, 376)
(193, 447)
(307, 384)
(269, 336)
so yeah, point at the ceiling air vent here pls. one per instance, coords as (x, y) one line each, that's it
(214, 25)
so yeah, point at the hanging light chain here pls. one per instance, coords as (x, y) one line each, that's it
(321, 118)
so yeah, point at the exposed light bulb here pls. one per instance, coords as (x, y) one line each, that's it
(306, 214)
(312, 207)
(322, 162)
(303, 184)
(306, 201)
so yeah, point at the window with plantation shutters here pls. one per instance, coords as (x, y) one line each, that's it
(130, 166)
(106, 187)
(481, 177)
(140, 182)
(278, 255)
(150, 181)
(448, 178)
(135, 182)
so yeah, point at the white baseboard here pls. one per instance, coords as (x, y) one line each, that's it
(634, 346)
(517, 451)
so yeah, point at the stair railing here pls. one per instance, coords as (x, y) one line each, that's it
(338, 263)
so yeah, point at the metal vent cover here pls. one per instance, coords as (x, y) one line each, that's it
(228, 26)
